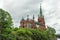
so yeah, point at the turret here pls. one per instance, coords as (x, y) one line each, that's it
(40, 16)
(22, 22)
(27, 17)
(41, 11)
(41, 19)
(22, 18)
(33, 18)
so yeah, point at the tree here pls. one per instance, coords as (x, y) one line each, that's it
(5, 21)
(51, 33)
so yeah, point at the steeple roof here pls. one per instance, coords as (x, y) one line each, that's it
(41, 11)
(22, 18)
(33, 17)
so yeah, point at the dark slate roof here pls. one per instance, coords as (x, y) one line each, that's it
(38, 23)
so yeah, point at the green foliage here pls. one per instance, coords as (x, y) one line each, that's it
(9, 33)
(5, 22)
(28, 34)
(5, 19)
(51, 33)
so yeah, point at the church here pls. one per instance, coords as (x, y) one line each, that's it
(31, 23)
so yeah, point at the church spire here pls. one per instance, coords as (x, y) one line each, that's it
(27, 17)
(40, 11)
(22, 18)
(33, 17)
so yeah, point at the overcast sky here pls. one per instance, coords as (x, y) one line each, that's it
(19, 8)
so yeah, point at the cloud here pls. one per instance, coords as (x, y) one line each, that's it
(52, 14)
(19, 8)
(1, 3)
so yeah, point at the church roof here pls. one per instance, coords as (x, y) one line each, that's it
(38, 23)
(40, 14)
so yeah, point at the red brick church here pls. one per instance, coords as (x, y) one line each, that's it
(31, 23)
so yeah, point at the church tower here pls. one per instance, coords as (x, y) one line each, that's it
(22, 23)
(41, 19)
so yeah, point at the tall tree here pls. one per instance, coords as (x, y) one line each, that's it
(5, 21)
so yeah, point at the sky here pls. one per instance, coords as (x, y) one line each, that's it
(19, 8)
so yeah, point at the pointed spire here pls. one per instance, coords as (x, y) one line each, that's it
(38, 15)
(22, 18)
(40, 11)
(27, 17)
(33, 17)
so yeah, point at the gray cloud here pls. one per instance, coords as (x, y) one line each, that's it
(19, 8)
(19, 11)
